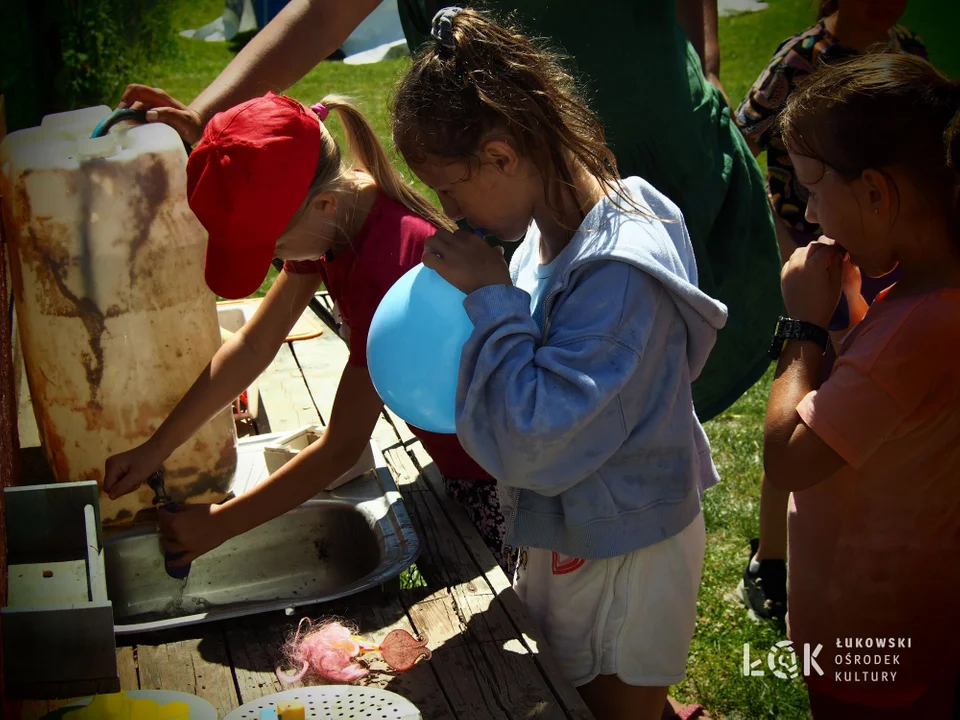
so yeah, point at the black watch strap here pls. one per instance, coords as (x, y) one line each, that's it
(790, 329)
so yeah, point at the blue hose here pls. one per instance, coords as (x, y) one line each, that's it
(122, 115)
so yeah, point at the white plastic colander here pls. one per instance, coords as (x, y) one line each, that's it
(335, 702)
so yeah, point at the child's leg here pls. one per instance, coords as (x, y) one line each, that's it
(608, 696)
(764, 585)
(773, 521)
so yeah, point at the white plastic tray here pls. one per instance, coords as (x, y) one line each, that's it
(335, 701)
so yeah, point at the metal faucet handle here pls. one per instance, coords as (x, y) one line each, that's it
(155, 483)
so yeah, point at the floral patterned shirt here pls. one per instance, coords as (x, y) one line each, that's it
(796, 58)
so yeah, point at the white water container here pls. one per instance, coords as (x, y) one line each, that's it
(115, 318)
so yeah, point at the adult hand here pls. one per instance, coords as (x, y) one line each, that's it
(191, 531)
(465, 260)
(811, 282)
(126, 471)
(161, 107)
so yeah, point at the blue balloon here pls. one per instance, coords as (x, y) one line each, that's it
(414, 346)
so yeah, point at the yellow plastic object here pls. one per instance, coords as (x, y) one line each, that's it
(291, 711)
(120, 706)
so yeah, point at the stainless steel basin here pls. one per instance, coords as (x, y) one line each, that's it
(339, 543)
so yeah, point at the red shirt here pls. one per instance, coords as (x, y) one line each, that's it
(389, 244)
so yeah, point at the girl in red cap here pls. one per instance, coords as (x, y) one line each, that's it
(268, 180)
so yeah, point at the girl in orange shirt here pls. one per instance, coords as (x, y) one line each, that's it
(872, 454)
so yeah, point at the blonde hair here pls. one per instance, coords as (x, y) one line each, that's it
(368, 153)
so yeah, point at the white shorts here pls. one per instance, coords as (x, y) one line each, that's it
(632, 616)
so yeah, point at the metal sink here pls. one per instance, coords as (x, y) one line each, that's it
(336, 544)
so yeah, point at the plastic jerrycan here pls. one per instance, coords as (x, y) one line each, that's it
(115, 318)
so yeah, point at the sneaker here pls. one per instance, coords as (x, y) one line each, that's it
(765, 592)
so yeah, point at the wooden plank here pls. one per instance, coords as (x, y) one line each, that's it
(446, 561)
(526, 681)
(404, 470)
(421, 684)
(127, 667)
(463, 616)
(198, 665)
(321, 360)
(403, 430)
(255, 645)
(482, 678)
(510, 602)
(385, 436)
(256, 649)
(286, 403)
(461, 522)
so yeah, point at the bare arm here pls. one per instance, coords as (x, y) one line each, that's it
(691, 20)
(794, 457)
(234, 366)
(698, 19)
(711, 41)
(241, 359)
(304, 33)
(354, 415)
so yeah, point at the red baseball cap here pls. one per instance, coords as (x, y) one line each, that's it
(246, 178)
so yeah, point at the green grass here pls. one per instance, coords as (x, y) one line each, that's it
(731, 509)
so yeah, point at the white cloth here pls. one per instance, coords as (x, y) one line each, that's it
(632, 615)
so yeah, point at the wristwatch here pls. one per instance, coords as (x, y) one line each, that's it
(790, 329)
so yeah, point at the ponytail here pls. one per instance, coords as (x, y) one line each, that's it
(367, 151)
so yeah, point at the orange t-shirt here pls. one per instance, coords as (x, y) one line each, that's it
(875, 549)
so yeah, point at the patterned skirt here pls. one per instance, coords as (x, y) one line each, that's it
(479, 498)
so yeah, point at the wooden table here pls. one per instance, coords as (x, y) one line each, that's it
(489, 661)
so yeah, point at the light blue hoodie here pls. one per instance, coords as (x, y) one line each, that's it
(588, 423)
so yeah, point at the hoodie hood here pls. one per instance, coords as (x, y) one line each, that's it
(654, 240)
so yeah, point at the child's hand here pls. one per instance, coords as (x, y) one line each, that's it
(465, 260)
(193, 531)
(126, 471)
(852, 279)
(811, 282)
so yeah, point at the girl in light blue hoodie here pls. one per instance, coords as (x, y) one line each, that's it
(575, 386)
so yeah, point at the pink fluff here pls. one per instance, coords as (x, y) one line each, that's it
(327, 651)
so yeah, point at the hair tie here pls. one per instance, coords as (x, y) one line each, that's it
(442, 27)
(321, 110)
